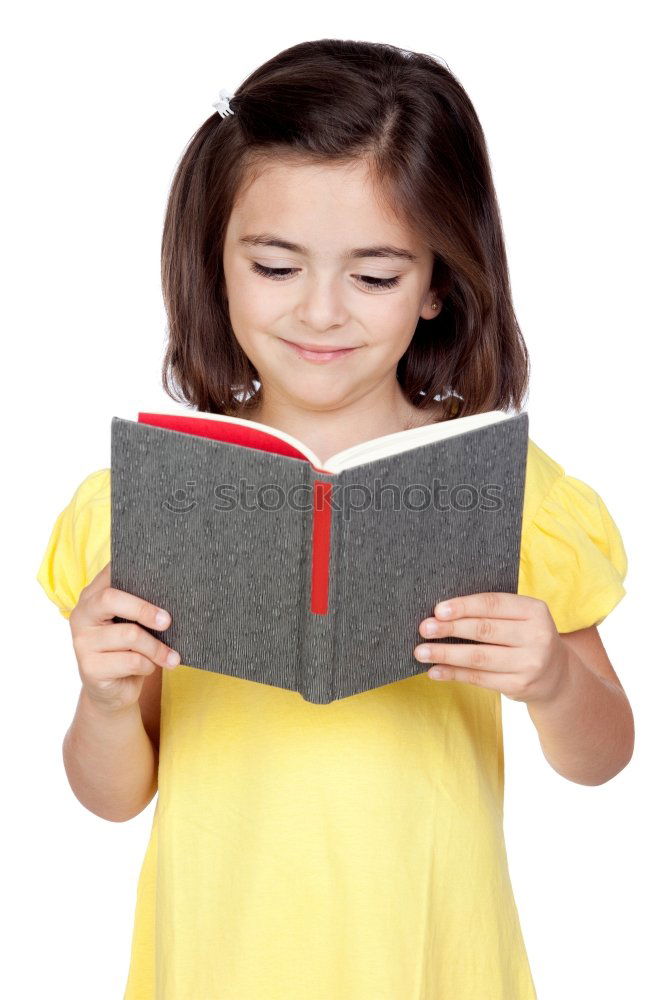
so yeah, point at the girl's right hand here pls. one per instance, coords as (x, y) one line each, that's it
(114, 657)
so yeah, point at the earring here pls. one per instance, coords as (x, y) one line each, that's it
(434, 305)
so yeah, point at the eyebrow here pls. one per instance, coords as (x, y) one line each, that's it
(381, 250)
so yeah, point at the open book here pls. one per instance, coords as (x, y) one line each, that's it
(278, 570)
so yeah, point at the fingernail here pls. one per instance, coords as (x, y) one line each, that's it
(443, 610)
(173, 659)
(430, 628)
(162, 618)
(422, 652)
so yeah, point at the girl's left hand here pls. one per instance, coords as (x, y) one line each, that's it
(521, 652)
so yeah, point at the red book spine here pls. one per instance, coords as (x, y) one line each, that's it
(321, 548)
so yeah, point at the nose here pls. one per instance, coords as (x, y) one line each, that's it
(322, 306)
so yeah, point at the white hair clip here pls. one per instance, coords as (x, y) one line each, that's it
(223, 104)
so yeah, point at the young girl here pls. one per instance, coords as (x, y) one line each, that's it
(342, 200)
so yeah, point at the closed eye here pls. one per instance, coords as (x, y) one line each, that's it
(281, 273)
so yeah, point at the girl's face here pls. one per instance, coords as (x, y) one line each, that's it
(349, 276)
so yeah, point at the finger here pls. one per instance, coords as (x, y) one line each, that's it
(502, 659)
(503, 631)
(131, 636)
(126, 663)
(102, 602)
(504, 683)
(487, 605)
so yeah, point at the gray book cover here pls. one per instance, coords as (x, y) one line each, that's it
(276, 572)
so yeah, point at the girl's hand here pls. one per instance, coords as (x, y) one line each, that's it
(114, 657)
(522, 654)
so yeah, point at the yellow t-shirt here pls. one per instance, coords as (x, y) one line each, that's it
(354, 849)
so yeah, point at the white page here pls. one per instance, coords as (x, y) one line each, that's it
(358, 454)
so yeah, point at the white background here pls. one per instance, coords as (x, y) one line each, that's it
(98, 104)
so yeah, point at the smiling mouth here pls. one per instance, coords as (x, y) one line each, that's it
(311, 354)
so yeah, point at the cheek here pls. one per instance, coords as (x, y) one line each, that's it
(254, 308)
(396, 316)
(239, 288)
(398, 332)
(248, 311)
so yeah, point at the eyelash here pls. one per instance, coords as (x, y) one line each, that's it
(278, 274)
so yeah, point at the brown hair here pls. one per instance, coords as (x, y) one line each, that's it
(410, 119)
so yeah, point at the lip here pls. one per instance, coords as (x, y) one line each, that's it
(318, 352)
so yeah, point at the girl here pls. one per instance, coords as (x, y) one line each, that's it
(342, 200)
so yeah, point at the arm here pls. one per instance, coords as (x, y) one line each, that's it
(586, 729)
(111, 749)
(110, 761)
(573, 695)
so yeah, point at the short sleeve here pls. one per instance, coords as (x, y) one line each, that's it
(79, 545)
(572, 556)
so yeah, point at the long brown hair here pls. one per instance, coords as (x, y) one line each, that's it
(406, 115)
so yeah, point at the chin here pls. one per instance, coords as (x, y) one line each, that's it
(319, 401)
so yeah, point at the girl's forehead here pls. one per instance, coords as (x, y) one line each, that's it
(300, 207)
(286, 186)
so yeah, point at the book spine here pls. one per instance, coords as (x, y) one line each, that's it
(318, 614)
(321, 547)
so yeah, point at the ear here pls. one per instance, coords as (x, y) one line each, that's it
(427, 312)
(442, 275)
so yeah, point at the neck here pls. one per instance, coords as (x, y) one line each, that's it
(329, 431)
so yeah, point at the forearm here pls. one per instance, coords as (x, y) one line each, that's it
(586, 729)
(110, 761)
